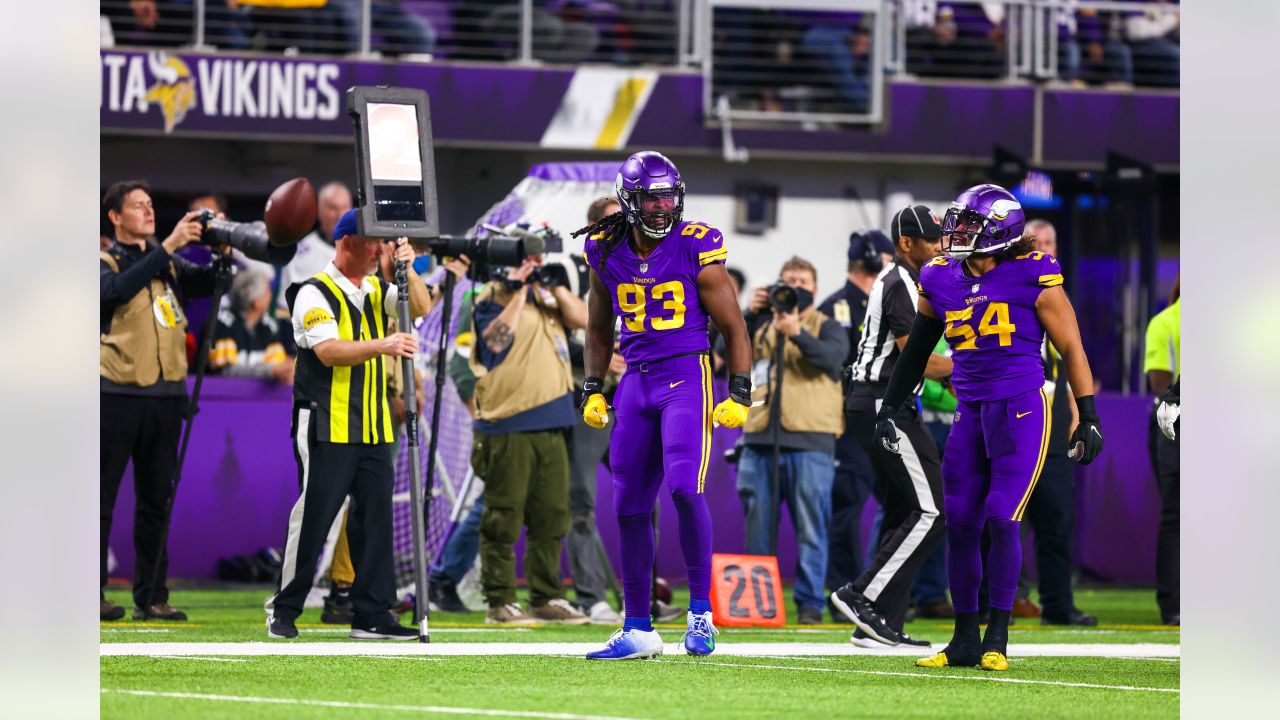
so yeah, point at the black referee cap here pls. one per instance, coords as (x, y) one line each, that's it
(916, 221)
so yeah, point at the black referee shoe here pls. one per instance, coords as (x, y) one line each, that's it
(391, 630)
(853, 605)
(281, 628)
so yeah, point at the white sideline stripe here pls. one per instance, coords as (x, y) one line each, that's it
(986, 677)
(434, 631)
(437, 709)
(747, 649)
(135, 630)
(199, 657)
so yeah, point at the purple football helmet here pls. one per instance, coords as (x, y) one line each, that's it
(985, 219)
(651, 193)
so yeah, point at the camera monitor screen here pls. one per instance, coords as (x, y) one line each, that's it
(394, 162)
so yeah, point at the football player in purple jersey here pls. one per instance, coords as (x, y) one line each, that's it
(994, 298)
(665, 278)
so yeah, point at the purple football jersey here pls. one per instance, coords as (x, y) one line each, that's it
(991, 322)
(657, 296)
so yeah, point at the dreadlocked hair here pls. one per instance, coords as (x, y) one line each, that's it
(613, 226)
(1024, 245)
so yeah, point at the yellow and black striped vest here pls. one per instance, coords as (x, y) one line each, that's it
(349, 403)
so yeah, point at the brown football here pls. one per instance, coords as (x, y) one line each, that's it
(661, 590)
(290, 212)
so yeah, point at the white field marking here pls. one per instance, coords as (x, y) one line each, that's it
(1127, 650)
(132, 630)
(200, 657)
(434, 631)
(928, 675)
(431, 709)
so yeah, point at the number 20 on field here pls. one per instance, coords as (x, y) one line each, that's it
(746, 590)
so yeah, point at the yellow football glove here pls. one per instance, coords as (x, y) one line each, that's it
(732, 412)
(595, 409)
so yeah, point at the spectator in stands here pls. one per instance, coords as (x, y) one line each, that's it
(1086, 51)
(169, 23)
(955, 39)
(799, 421)
(393, 29)
(143, 369)
(317, 248)
(309, 26)
(1153, 36)
(249, 341)
(841, 47)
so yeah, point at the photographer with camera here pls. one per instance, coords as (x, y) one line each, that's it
(524, 408)
(789, 445)
(143, 370)
(342, 429)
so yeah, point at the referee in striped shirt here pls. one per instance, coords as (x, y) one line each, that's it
(910, 485)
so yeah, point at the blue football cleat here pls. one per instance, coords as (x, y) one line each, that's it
(629, 645)
(700, 638)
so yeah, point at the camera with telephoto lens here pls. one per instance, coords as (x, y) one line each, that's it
(783, 297)
(249, 238)
(551, 275)
(487, 254)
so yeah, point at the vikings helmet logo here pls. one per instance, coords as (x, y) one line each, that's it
(1000, 209)
(174, 89)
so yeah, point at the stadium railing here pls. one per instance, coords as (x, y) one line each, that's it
(807, 61)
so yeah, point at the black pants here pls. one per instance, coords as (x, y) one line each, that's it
(910, 487)
(1167, 582)
(853, 483)
(146, 430)
(327, 474)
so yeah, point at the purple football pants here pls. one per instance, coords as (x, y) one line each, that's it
(663, 411)
(994, 456)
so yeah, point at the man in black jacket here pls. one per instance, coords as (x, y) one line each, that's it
(143, 369)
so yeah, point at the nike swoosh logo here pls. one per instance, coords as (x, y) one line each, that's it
(1021, 415)
(675, 383)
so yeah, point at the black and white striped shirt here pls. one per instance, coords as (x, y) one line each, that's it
(891, 310)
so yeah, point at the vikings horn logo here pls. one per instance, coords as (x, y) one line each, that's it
(1001, 208)
(174, 89)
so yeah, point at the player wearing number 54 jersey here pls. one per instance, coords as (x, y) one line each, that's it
(994, 299)
(664, 277)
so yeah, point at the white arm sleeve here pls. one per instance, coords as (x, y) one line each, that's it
(313, 320)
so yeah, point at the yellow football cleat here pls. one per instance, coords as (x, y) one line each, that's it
(937, 661)
(595, 411)
(730, 413)
(994, 661)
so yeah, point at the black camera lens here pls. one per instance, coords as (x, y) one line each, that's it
(783, 298)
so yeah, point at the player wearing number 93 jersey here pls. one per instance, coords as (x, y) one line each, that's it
(994, 299)
(664, 277)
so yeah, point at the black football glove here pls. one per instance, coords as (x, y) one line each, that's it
(1086, 441)
(886, 434)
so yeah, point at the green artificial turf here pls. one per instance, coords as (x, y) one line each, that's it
(1126, 616)
(571, 688)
